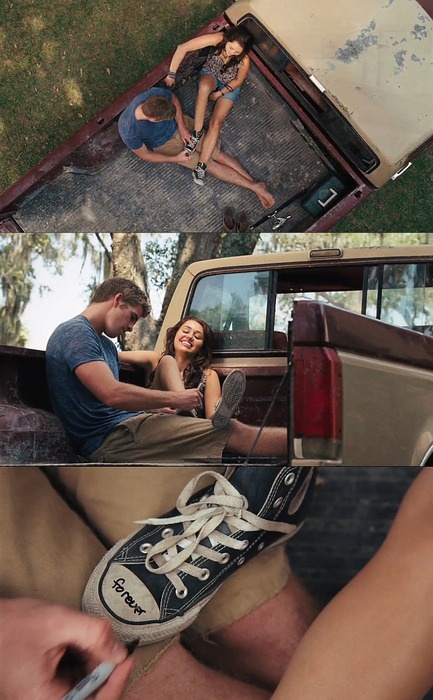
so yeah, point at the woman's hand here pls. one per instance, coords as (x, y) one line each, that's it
(169, 81)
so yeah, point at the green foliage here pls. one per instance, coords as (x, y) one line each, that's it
(18, 252)
(160, 256)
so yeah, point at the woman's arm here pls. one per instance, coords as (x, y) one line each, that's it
(199, 42)
(147, 359)
(244, 67)
(212, 392)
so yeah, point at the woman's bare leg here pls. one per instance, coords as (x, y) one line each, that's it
(167, 375)
(178, 675)
(205, 86)
(259, 646)
(221, 110)
(375, 638)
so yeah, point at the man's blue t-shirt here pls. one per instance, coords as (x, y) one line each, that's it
(136, 132)
(86, 419)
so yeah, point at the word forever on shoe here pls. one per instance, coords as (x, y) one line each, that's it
(232, 393)
(153, 584)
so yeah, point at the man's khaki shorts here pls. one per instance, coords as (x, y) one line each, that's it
(57, 523)
(150, 438)
(175, 145)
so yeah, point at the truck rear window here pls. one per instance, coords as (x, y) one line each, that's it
(250, 310)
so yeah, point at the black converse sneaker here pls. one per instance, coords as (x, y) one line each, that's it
(153, 584)
(191, 146)
(198, 174)
(231, 395)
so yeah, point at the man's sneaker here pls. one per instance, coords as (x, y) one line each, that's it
(198, 174)
(153, 584)
(191, 146)
(232, 393)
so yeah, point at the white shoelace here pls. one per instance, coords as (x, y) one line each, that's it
(202, 518)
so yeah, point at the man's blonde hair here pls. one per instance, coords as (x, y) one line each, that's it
(158, 107)
(132, 293)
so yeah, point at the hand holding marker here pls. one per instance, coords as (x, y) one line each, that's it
(95, 679)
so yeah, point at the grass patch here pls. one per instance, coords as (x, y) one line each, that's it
(63, 61)
(405, 204)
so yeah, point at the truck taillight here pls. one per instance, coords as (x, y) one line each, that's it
(317, 394)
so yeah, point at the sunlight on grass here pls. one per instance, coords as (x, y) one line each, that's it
(73, 92)
(2, 127)
(50, 51)
(37, 24)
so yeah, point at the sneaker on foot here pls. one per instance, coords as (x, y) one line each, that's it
(191, 147)
(198, 174)
(153, 584)
(232, 393)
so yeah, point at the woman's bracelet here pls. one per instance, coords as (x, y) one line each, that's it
(229, 87)
(171, 74)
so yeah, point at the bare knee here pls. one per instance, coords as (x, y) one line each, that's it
(216, 123)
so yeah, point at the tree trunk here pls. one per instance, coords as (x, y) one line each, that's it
(128, 261)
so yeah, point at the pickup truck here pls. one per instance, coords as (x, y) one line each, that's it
(336, 344)
(338, 102)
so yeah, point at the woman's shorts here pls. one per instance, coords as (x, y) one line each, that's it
(232, 96)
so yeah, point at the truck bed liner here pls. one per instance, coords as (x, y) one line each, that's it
(127, 194)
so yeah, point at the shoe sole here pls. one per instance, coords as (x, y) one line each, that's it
(232, 394)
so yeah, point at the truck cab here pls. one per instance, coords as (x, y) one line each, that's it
(362, 71)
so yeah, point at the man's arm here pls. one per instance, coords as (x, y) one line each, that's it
(152, 157)
(100, 381)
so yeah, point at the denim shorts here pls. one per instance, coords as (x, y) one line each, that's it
(233, 96)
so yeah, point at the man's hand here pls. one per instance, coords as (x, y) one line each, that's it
(36, 638)
(189, 399)
(185, 135)
(182, 157)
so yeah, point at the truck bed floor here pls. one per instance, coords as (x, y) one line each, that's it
(127, 194)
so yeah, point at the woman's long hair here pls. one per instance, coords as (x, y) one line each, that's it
(193, 373)
(242, 36)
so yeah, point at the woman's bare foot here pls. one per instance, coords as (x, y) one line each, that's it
(266, 198)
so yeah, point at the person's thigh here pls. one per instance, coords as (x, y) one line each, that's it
(155, 438)
(47, 549)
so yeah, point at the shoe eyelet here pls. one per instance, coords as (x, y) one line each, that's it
(167, 532)
(144, 548)
(182, 593)
(225, 558)
(204, 574)
(289, 479)
(241, 561)
(245, 544)
(278, 502)
(260, 547)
